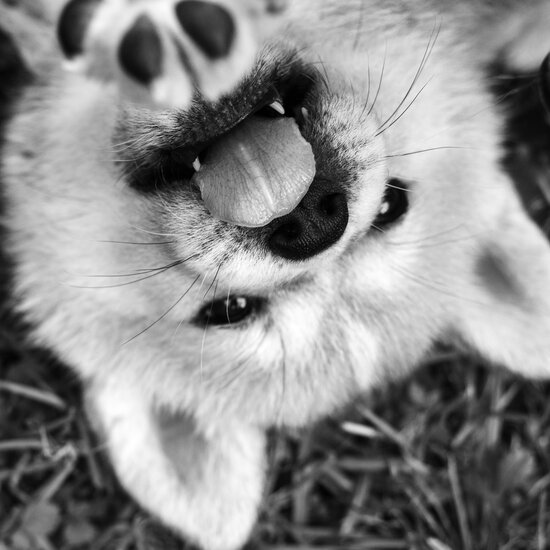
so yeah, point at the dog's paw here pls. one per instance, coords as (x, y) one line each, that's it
(163, 51)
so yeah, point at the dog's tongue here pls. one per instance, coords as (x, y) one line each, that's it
(259, 171)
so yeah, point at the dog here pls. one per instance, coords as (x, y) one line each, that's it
(235, 215)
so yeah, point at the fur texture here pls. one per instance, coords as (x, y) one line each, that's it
(115, 264)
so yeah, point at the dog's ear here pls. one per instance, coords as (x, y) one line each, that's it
(505, 313)
(204, 484)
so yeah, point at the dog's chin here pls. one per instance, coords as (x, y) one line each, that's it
(289, 357)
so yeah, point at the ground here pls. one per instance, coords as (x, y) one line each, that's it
(456, 457)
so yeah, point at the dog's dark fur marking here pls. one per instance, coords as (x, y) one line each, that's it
(14, 76)
(526, 137)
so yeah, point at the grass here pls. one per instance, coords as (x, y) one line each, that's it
(456, 457)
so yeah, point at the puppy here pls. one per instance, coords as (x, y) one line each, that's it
(233, 215)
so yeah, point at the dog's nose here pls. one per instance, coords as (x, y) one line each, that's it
(313, 226)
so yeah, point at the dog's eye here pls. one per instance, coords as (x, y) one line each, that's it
(228, 311)
(394, 204)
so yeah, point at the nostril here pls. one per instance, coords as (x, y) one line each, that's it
(330, 205)
(286, 235)
(290, 231)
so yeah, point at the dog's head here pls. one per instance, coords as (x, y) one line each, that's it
(408, 231)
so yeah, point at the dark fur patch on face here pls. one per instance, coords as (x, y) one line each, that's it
(498, 279)
(13, 73)
(526, 138)
(14, 77)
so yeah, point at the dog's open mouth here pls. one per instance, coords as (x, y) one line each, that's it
(260, 166)
(255, 159)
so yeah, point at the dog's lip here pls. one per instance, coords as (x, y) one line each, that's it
(287, 91)
(191, 155)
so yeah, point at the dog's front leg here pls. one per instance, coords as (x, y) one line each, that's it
(163, 52)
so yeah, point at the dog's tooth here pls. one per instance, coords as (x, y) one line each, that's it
(197, 164)
(278, 106)
(305, 113)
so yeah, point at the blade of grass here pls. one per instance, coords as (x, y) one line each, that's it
(41, 396)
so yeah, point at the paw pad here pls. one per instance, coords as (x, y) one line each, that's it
(73, 24)
(140, 51)
(208, 25)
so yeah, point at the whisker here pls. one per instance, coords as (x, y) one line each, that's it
(378, 228)
(145, 271)
(324, 75)
(238, 370)
(138, 141)
(205, 277)
(205, 331)
(431, 236)
(368, 92)
(423, 62)
(379, 83)
(427, 150)
(497, 101)
(427, 242)
(164, 314)
(517, 90)
(380, 131)
(359, 26)
(212, 283)
(148, 232)
(431, 244)
(137, 244)
(135, 161)
(227, 304)
(399, 188)
(283, 378)
(437, 286)
(128, 283)
(204, 297)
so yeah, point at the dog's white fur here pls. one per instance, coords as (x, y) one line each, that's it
(183, 409)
